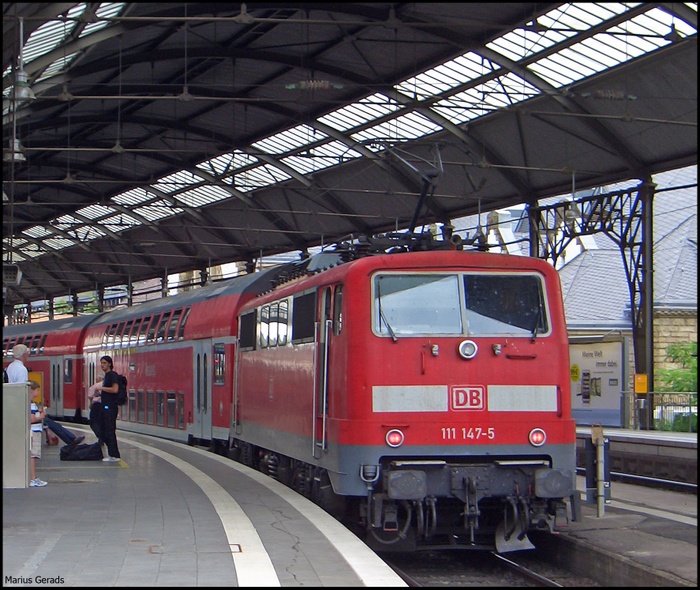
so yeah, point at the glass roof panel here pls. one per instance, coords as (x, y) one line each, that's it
(120, 222)
(177, 181)
(266, 175)
(157, 210)
(95, 211)
(289, 140)
(133, 197)
(105, 10)
(203, 195)
(359, 113)
(37, 232)
(446, 76)
(58, 243)
(66, 222)
(226, 163)
(409, 126)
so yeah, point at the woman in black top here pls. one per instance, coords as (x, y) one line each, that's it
(108, 415)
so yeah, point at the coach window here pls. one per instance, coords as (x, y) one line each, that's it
(68, 370)
(134, 337)
(118, 335)
(152, 330)
(160, 408)
(246, 331)
(41, 344)
(160, 336)
(338, 310)
(34, 346)
(219, 364)
(283, 323)
(171, 403)
(150, 406)
(10, 346)
(303, 318)
(143, 331)
(264, 325)
(274, 321)
(172, 328)
(110, 336)
(126, 334)
(181, 331)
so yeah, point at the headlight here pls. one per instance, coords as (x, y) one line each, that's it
(537, 437)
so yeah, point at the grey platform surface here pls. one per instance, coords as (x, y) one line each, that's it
(173, 515)
(644, 537)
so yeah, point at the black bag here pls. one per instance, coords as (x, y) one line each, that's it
(91, 452)
(121, 392)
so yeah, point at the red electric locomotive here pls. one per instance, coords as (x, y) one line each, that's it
(422, 396)
(55, 361)
(426, 394)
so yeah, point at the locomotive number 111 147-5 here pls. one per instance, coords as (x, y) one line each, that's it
(471, 433)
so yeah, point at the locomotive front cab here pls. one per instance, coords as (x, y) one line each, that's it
(468, 373)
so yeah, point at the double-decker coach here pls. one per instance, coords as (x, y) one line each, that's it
(177, 355)
(56, 361)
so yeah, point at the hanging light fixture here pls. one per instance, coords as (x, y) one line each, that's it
(21, 90)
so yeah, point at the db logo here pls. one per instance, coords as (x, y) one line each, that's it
(468, 397)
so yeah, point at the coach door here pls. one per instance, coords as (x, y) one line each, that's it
(329, 325)
(201, 402)
(56, 385)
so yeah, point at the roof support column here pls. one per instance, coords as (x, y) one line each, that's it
(644, 317)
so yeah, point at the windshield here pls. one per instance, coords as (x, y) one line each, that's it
(489, 304)
(417, 304)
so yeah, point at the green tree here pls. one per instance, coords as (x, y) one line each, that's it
(683, 378)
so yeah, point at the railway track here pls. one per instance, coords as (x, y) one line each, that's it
(481, 568)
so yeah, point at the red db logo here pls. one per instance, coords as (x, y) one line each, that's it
(467, 397)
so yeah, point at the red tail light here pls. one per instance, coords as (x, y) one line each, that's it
(394, 438)
(537, 437)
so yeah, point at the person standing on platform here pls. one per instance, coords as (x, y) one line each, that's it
(108, 417)
(37, 413)
(16, 371)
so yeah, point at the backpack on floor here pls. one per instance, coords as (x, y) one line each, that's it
(83, 452)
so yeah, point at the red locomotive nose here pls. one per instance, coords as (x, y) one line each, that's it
(394, 438)
(537, 437)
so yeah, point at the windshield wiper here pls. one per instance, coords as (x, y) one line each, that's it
(537, 323)
(381, 313)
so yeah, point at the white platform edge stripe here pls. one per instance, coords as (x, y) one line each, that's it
(253, 565)
(368, 566)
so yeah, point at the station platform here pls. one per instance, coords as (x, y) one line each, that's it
(653, 454)
(173, 515)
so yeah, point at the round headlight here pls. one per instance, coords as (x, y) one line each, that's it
(394, 438)
(537, 437)
(468, 349)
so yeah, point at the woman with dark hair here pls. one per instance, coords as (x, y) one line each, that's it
(108, 415)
